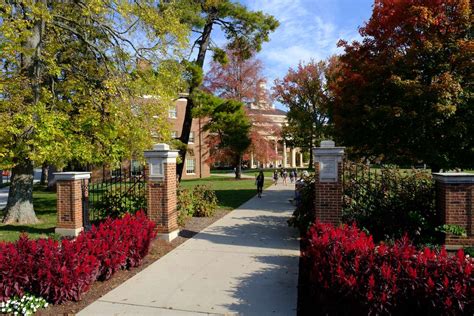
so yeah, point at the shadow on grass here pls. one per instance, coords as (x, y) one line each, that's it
(30, 230)
(44, 203)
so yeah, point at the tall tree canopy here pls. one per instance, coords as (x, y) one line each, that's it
(404, 93)
(242, 80)
(237, 79)
(228, 125)
(302, 90)
(70, 89)
(245, 32)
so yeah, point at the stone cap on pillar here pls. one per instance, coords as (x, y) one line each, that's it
(454, 177)
(71, 175)
(161, 151)
(156, 159)
(328, 156)
(328, 148)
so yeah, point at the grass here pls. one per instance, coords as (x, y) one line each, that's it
(231, 193)
(45, 208)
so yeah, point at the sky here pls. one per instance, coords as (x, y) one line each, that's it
(309, 29)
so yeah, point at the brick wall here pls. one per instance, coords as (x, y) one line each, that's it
(456, 205)
(69, 204)
(328, 198)
(162, 200)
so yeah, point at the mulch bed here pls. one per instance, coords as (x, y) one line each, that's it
(158, 249)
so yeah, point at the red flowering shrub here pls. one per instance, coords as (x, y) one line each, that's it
(62, 271)
(345, 266)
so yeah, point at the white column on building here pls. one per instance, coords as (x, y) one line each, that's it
(301, 160)
(276, 153)
(285, 158)
(251, 160)
(293, 157)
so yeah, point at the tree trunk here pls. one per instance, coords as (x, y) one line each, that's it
(20, 196)
(311, 165)
(238, 168)
(44, 174)
(188, 118)
(51, 180)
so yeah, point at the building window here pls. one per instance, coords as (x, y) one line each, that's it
(191, 137)
(190, 166)
(174, 134)
(172, 112)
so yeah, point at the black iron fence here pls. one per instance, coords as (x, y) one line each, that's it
(123, 191)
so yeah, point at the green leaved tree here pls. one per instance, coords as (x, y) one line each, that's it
(228, 125)
(245, 32)
(70, 89)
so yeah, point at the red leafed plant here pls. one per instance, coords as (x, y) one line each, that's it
(344, 265)
(62, 271)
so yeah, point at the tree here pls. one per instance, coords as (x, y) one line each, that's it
(228, 125)
(69, 85)
(302, 90)
(241, 80)
(245, 32)
(404, 93)
(238, 79)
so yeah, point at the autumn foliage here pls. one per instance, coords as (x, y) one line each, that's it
(403, 93)
(348, 271)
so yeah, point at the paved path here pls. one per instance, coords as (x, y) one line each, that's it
(244, 264)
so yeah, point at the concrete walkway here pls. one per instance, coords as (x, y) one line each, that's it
(244, 264)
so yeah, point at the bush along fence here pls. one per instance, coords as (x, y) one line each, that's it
(432, 208)
(62, 271)
(344, 271)
(152, 190)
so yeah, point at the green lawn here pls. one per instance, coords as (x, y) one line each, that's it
(231, 193)
(45, 208)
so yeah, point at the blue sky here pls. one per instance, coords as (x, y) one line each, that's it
(308, 29)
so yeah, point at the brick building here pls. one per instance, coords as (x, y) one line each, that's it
(195, 165)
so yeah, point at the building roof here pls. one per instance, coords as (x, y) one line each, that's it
(265, 112)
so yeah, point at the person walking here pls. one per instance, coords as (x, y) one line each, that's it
(292, 176)
(284, 176)
(259, 181)
(275, 177)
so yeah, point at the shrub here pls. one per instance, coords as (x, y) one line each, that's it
(62, 271)
(304, 214)
(346, 268)
(185, 205)
(390, 203)
(120, 200)
(204, 201)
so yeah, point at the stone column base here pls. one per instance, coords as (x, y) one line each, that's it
(168, 236)
(69, 232)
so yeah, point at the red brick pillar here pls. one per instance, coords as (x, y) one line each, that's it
(328, 186)
(455, 204)
(161, 190)
(69, 194)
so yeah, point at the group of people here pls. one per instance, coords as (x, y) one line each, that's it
(259, 180)
(284, 175)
